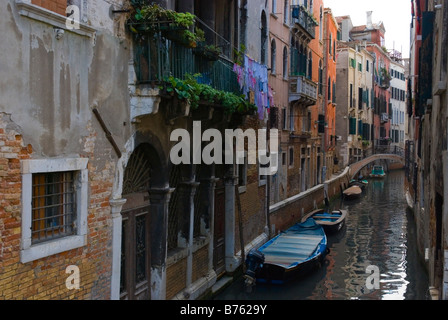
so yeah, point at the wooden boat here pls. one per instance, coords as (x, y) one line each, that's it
(330, 221)
(353, 192)
(360, 183)
(289, 255)
(378, 172)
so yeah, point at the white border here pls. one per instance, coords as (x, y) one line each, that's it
(31, 252)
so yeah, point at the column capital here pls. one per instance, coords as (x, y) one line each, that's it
(116, 206)
(159, 195)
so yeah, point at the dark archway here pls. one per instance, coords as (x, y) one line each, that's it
(144, 219)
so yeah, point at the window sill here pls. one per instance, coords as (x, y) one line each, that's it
(50, 248)
(56, 20)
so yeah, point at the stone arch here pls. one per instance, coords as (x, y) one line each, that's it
(356, 167)
(141, 188)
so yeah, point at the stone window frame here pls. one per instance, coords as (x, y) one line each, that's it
(31, 252)
(27, 9)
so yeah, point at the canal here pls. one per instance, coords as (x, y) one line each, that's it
(373, 258)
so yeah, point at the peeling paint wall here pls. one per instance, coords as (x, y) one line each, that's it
(51, 79)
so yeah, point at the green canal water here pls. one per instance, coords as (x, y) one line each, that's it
(373, 258)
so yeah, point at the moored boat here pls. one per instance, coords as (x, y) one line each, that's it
(331, 221)
(378, 172)
(288, 255)
(360, 183)
(354, 192)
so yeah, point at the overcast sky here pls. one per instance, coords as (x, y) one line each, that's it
(395, 14)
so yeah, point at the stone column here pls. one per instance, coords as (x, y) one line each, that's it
(116, 206)
(159, 200)
(230, 221)
(208, 185)
(187, 192)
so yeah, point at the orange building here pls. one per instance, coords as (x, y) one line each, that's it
(330, 31)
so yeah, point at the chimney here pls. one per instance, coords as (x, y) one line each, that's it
(369, 24)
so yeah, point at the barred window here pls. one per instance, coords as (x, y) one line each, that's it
(53, 206)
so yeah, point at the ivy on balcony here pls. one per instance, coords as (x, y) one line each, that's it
(193, 93)
(176, 26)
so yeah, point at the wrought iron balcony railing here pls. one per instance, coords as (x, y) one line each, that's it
(303, 18)
(156, 58)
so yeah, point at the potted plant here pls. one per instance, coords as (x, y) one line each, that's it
(209, 52)
(175, 26)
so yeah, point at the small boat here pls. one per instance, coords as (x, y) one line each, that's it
(330, 221)
(360, 183)
(290, 254)
(354, 192)
(377, 172)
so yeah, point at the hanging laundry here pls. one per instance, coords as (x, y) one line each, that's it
(253, 77)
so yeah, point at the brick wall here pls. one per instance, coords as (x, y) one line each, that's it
(176, 278)
(200, 263)
(46, 278)
(58, 6)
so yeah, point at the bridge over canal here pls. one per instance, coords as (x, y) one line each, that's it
(380, 153)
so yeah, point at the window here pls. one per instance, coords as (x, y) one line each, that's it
(334, 50)
(320, 24)
(352, 126)
(352, 63)
(54, 13)
(285, 63)
(291, 157)
(321, 72)
(286, 12)
(54, 211)
(367, 66)
(264, 38)
(284, 119)
(274, 6)
(53, 206)
(329, 44)
(273, 56)
(360, 67)
(351, 96)
(334, 92)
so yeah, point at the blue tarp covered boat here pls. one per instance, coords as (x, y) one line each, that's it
(290, 254)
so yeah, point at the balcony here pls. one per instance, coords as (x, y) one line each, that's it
(305, 20)
(303, 90)
(157, 58)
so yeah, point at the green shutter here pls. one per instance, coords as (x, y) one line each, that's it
(352, 126)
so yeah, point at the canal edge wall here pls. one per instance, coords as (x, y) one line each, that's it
(288, 212)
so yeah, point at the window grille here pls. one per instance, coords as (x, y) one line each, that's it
(53, 206)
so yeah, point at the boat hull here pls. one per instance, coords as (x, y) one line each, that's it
(274, 274)
(292, 253)
(331, 222)
(352, 193)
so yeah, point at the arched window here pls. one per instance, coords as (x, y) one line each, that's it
(285, 63)
(264, 37)
(273, 57)
(286, 12)
(320, 24)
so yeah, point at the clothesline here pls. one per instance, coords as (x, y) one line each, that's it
(253, 76)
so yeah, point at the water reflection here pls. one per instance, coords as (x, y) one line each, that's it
(379, 232)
